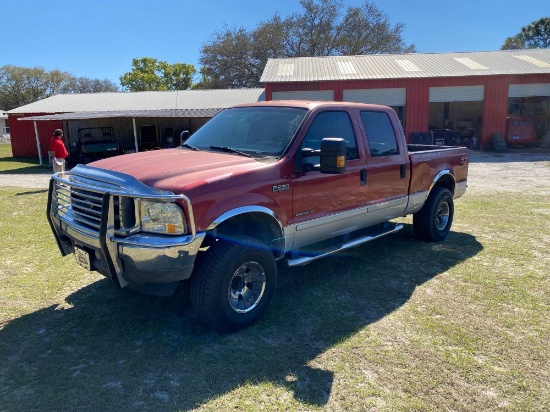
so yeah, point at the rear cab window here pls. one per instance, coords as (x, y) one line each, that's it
(380, 134)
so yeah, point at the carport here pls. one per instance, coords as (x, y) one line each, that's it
(177, 120)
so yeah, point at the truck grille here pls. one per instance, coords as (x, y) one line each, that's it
(84, 207)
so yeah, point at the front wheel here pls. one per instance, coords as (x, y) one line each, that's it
(433, 222)
(233, 283)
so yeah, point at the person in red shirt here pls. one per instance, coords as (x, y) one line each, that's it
(58, 147)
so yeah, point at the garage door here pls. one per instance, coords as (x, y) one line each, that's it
(388, 97)
(324, 95)
(527, 90)
(456, 94)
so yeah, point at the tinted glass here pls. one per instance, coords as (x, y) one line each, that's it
(330, 124)
(380, 134)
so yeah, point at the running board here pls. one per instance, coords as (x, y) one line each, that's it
(304, 260)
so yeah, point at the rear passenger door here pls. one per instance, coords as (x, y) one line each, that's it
(387, 167)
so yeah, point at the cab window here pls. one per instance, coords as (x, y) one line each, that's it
(380, 134)
(330, 124)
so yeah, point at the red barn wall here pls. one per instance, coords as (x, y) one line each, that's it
(417, 104)
(23, 137)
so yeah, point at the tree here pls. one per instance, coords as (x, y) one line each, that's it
(23, 85)
(87, 85)
(366, 30)
(314, 32)
(236, 57)
(231, 52)
(534, 36)
(151, 74)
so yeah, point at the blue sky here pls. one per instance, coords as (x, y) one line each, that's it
(99, 38)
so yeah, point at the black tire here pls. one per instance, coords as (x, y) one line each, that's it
(433, 222)
(220, 293)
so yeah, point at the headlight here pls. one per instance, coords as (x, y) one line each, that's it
(164, 218)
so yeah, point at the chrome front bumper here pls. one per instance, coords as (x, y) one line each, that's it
(136, 259)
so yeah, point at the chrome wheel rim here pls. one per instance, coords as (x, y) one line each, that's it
(442, 216)
(246, 287)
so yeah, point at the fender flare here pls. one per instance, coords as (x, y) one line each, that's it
(241, 210)
(442, 173)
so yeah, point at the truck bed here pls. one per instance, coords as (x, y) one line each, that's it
(428, 161)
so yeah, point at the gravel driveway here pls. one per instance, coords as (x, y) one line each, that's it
(525, 172)
(489, 172)
(37, 181)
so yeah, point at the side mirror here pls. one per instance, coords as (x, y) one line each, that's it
(332, 155)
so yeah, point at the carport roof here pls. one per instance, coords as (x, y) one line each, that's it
(129, 113)
(160, 102)
(410, 65)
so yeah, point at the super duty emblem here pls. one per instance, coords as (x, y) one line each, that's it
(280, 188)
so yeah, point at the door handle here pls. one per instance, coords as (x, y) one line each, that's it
(363, 177)
(403, 171)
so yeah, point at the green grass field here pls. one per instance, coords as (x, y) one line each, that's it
(10, 165)
(395, 325)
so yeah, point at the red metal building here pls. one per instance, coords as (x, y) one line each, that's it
(24, 144)
(469, 93)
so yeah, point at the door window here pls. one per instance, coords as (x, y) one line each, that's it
(330, 124)
(380, 134)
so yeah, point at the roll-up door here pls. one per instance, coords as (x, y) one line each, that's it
(389, 97)
(527, 90)
(457, 94)
(324, 95)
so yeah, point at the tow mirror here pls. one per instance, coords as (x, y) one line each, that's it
(332, 155)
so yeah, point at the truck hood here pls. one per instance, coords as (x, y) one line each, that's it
(173, 169)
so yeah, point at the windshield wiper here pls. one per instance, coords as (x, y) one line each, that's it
(231, 150)
(188, 146)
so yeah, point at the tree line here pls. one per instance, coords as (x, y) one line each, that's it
(234, 57)
(23, 85)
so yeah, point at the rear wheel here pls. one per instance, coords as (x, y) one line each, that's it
(433, 222)
(233, 283)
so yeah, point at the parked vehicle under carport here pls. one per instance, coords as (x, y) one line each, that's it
(95, 143)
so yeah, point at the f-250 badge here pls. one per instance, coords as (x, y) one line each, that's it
(280, 188)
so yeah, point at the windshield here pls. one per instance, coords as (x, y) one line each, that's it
(263, 131)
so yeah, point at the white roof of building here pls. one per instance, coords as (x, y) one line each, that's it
(143, 101)
(410, 65)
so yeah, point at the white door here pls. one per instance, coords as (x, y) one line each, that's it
(323, 95)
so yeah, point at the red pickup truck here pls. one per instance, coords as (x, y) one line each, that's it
(258, 183)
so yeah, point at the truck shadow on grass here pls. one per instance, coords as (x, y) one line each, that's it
(115, 350)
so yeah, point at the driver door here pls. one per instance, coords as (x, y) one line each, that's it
(327, 205)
